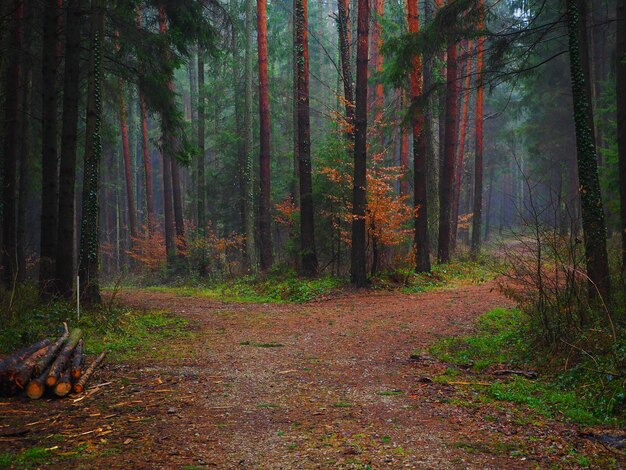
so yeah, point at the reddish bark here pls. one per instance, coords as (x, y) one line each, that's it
(422, 242)
(358, 273)
(461, 150)
(307, 225)
(404, 151)
(130, 195)
(377, 60)
(447, 177)
(343, 7)
(265, 234)
(478, 162)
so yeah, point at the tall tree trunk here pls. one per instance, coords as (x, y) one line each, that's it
(620, 68)
(249, 180)
(478, 144)
(178, 203)
(265, 228)
(458, 174)
(89, 240)
(422, 241)
(11, 146)
(489, 202)
(166, 154)
(447, 176)
(377, 63)
(307, 224)
(147, 162)
(201, 191)
(49, 156)
(25, 182)
(358, 270)
(69, 139)
(343, 24)
(592, 211)
(128, 171)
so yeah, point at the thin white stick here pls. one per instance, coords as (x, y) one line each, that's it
(78, 298)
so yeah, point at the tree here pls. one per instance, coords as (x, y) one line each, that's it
(358, 270)
(343, 26)
(450, 139)
(422, 241)
(10, 150)
(88, 269)
(128, 171)
(307, 225)
(620, 81)
(265, 233)
(592, 211)
(201, 191)
(478, 143)
(69, 139)
(49, 156)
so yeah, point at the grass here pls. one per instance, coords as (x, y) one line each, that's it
(125, 333)
(276, 287)
(579, 394)
(32, 457)
(262, 345)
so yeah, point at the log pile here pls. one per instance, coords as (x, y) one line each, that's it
(55, 366)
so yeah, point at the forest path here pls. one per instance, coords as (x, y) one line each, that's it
(323, 384)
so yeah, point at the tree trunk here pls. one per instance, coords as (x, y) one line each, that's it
(249, 184)
(49, 157)
(594, 227)
(10, 151)
(422, 241)
(620, 68)
(69, 140)
(128, 171)
(404, 150)
(343, 24)
(147, 162)
(89, 237)
(447, 176)
(358, 270)
(307, 225)
(478, 145)
(79, 387)
(167, 148)
(265, 228)
(458, 175)
(201, 191)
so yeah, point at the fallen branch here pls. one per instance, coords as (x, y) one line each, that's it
(528, 374)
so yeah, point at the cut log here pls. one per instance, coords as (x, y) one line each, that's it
(77, 361)
(19, 356)
(62, 360)
(63, 385)
(79, 387)
(44, 362)
(24, 371)
(37, 386)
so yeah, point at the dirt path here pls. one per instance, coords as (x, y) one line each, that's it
(322, 385)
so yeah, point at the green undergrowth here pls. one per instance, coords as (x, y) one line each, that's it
(581, 388)
(125, 333)
(454, 274)
(271, 288)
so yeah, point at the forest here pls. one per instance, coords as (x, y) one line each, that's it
(313, 234)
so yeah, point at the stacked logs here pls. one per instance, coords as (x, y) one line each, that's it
(48, 365)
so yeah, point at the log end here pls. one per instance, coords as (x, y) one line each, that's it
(62, 388)
(78, 388)
(51, 381)
(35, 389)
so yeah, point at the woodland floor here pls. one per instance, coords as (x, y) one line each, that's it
(328, 384)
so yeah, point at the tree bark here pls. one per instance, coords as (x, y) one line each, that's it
(450, 140)
(358, 269)
(620, 68)
(592, 212)
(89, 237)
(63, 359)
(458, 174)
(265, 228)
(128, 170)
(49, 156)
(421, 241)
(69, 139)
(201, 191)
(343, 24)
(79, 387)
(478, 145)
(307, 225)
(10, 150)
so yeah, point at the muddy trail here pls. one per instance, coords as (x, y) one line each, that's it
(327, 384)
